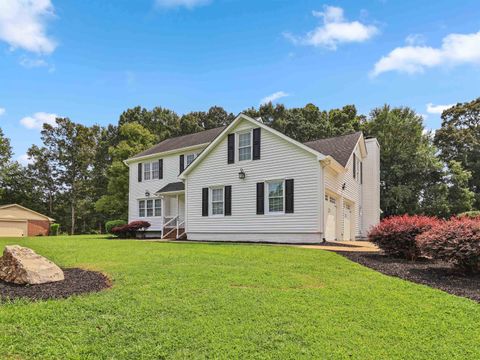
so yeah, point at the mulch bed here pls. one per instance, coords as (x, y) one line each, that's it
(438, 275)
(77, 281)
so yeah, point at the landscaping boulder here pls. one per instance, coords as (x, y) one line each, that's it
(21, 265)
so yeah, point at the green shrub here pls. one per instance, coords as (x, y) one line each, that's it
(109, 225)
(471, 214)
(54, 228)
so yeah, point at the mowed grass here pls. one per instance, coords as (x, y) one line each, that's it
(230, 301)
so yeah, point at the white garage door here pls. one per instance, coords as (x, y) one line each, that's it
(13, 228)
(347, 225)
(330, 218)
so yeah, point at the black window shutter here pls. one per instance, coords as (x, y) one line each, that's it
(160, 168)
(256, 143)
(289, 196)
(354, 165)
(361, 173)
(228, 201)
(260, 198)
(231, 149)
(139, 172)
(205, 202)
(182, 163)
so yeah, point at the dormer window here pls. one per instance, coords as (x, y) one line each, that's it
(245, 146)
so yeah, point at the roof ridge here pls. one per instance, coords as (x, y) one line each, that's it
(335, 137)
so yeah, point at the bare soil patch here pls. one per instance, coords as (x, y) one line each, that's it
(436, 274)
(77, 281)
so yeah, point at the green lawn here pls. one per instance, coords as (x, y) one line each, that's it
(189, 300)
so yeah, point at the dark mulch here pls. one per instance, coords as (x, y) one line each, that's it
(77, 281)
(435, 274)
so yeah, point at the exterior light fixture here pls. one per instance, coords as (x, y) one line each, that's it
(147, 193)
(241, 174)
(344, 186)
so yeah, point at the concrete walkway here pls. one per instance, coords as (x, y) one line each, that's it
(355, 246)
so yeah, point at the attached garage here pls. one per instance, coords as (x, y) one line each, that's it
(330, 218)
(18, 221)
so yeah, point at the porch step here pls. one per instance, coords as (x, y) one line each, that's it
(173, 234)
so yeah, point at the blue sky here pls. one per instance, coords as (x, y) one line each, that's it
(90, 60)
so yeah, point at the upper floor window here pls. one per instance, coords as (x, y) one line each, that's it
(146, 171)
(151, 170)
(150, 208)
(275, 196)
(245, 146)
(217, 201)
(357, 169)
(190, 158)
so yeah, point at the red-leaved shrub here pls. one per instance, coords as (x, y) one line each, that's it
(396, 235)
(129, 230)
(456, 241)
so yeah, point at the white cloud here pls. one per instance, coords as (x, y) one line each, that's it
(25, 159)
(23, 25)
(189, 4)
(273, 97)
(334, 30)
(415, 39)
(2, 111)
(456, 49)
(437, 109)
(37, 120)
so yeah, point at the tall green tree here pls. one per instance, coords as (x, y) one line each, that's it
(459, 139)
(5, 150)
(71, 148)
(460, 197)
(134, 138)
(407, 159)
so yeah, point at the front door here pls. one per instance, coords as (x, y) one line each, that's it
(330, 218)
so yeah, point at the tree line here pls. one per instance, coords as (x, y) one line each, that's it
(78, 177)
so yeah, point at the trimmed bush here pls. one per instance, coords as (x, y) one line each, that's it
(456, 241)
(129, 230)
(54, 228)
(396, 235)
(109, 225)
(471, 214)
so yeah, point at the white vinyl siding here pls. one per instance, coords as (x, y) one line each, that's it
(280, 160)
(137, 189)
(352, 193)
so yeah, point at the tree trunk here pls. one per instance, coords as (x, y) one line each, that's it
(73, 219)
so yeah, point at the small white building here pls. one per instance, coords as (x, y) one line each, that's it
(249, 182)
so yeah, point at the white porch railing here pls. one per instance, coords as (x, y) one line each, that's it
(173, 223)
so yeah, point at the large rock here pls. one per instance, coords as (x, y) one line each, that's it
(21, 265)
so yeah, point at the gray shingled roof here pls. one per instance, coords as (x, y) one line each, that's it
(175, 186)
(179, 142)
(338, 147)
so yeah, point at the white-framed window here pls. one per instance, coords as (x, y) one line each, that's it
(276, 196)
(141, 208)
(151, 170)
(190, 157)
(217, 201)
(155, 170)
(146, 171)
(245, 146)
(149, 207)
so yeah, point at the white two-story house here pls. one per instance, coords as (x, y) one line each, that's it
(249, 182)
